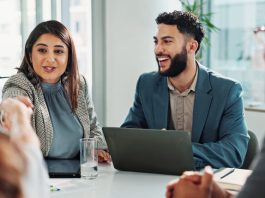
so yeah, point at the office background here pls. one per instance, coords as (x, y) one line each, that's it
(114, 40)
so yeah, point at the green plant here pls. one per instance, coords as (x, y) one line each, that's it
(205, 18)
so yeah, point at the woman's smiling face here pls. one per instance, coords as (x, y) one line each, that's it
(49, 58)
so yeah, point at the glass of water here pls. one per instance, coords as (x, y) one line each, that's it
(88, 158)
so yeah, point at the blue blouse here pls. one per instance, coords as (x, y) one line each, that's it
(67, 128)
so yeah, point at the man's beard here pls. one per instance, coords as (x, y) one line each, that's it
(178, 64)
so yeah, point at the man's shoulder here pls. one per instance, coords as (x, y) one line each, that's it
(216, 78)
(151, 76)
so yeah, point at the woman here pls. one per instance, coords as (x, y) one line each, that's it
(63, 111)
(23, 174)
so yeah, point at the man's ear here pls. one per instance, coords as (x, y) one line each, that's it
(4, 125)
(192, 46)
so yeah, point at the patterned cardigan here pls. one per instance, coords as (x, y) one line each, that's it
(19, 85)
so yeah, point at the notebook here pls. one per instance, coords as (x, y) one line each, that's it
(63, 168)
(232, 178)
(150, 150)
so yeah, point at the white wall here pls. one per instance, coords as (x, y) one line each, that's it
(123, 33)
(130, 27)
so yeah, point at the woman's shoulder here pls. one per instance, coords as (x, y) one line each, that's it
(83, 80)
(83, 83)
(18, 80)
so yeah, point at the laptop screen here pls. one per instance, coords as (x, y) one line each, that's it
(150, 150)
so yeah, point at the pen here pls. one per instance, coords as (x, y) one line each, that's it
(228, 173)
(53, 189)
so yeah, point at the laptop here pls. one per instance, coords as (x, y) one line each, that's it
(150, 150)
(63, 168)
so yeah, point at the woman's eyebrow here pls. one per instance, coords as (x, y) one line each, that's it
(43, 44)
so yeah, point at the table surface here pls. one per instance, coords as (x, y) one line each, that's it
(113, 183)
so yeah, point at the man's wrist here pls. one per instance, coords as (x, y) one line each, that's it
(228, 194)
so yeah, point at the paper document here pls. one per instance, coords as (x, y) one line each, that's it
(232, 178)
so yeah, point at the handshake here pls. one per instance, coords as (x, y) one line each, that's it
(15, 120)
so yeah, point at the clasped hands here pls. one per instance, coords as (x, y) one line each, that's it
(196, 185)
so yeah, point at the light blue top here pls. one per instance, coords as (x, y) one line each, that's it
(67, 130)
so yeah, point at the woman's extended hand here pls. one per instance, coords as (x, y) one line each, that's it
(103, 156)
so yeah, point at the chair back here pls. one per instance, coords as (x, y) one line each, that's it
(253, 149)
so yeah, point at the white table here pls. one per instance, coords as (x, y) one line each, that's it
(113, 183)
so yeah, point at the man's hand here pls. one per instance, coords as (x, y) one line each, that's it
(194, 184)
(14, 114)
(190, 186)
(25, 100)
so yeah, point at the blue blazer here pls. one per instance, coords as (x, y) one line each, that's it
(219, 133)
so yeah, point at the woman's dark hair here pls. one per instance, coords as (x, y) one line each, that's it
(12, 166)
(71, 75)
(186, 22)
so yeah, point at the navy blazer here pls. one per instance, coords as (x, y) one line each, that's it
(219, 133)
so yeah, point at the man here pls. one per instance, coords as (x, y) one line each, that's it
(184, 95)
(203, 186)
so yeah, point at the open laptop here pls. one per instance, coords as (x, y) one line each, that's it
(150, 150)
(63, 168)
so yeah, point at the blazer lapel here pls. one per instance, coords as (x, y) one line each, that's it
(202, 103)
(160, 104)
(48, 135)
(82, 111)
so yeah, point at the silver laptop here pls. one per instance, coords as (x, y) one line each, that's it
(150, 150)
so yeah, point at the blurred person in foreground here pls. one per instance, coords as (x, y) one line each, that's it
(195, 184)
(23, 173)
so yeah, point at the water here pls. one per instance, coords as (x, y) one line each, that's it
(89, 170)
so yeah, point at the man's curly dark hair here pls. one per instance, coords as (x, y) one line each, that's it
(186, 22)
